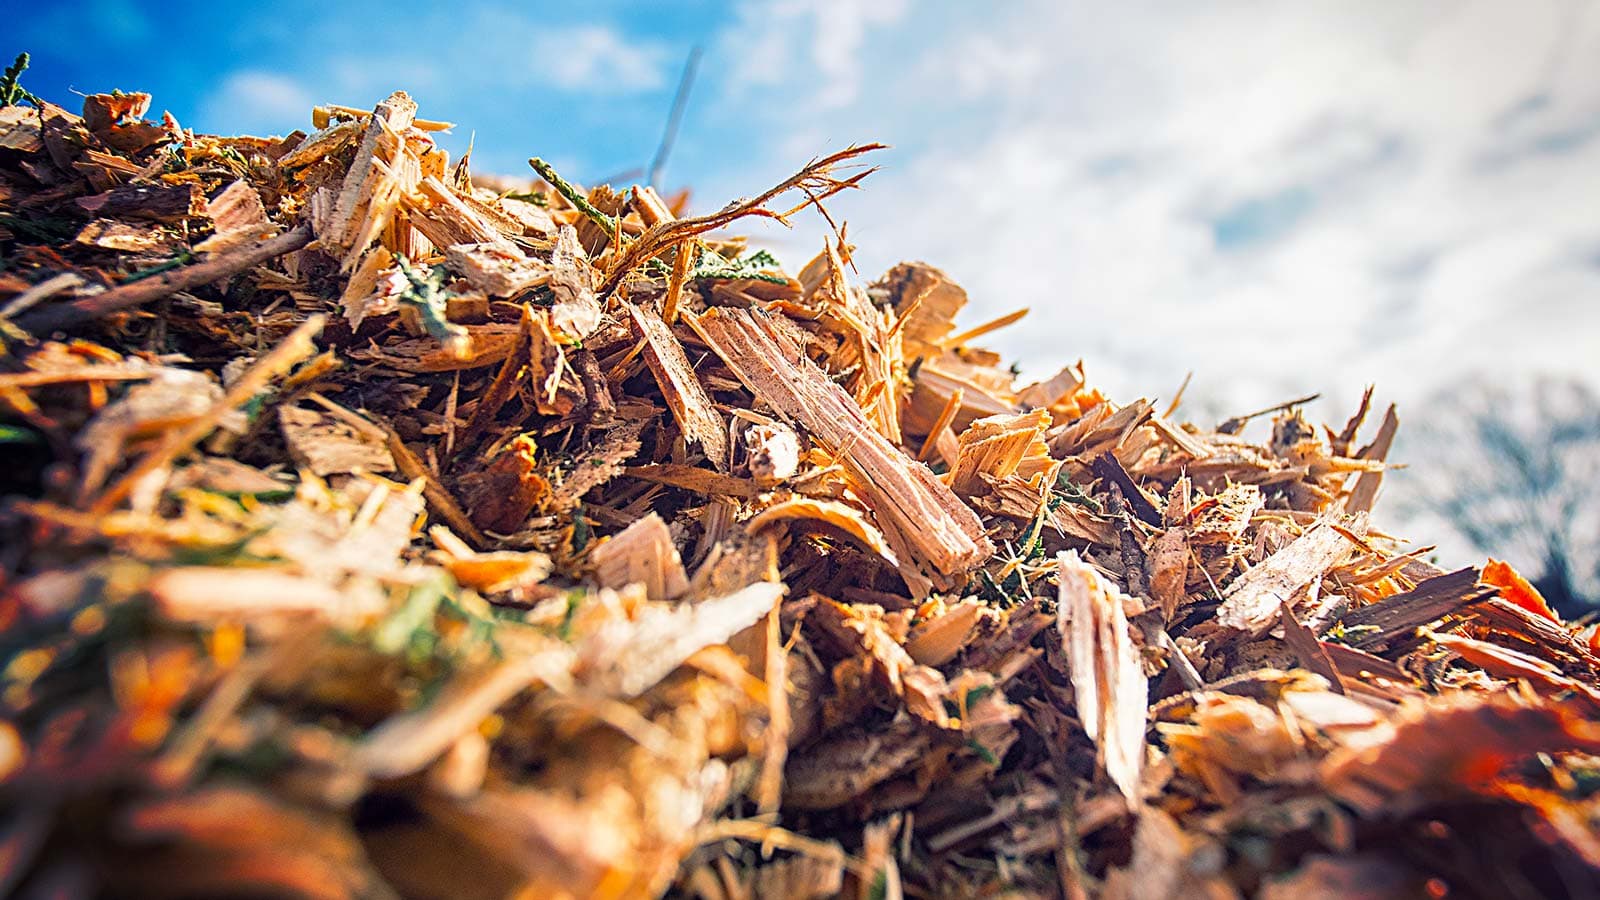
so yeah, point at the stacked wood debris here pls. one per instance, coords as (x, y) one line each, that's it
(374, 532)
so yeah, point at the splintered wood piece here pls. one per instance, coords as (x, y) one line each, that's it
(694, 478)
(321, 442)
(408, 741)
(1365, 492)
(995, 447)
(486, 345)
(494, 269)
(446, 220)
(1552, 638)
(323, 144)
(1399, 614)
(1169, 570)
(643, 553)
(372, 188)
(210, 594)
(1250, 604)
(685, 396)
(927, 302)
(1453, 745)
(932, 391)
(847, 519)
(361, 298)
(938, 639)
(297, 345)
(488, 573)
(842, 768)
(440, 500)
(1302, 641)
(126, 237)
(1109, 469)
(1516, 589)
(869, 356)
(1108, 680)
(575, 313)
(926, 524)
(978, 331)
(1044, 394)
(169, 203)
(626, 661)
(145, 290)
(1181, 439)
(236, 206)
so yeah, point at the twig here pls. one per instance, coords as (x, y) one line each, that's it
(144, 291)
(816, 179)
(680, 101)
(1232, 426)
(574, 196)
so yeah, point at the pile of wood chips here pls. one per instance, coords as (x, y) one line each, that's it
(377, 530)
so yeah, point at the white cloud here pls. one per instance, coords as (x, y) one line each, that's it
(598, 59)
(760, 45)
(1281, 198)
(254, 102)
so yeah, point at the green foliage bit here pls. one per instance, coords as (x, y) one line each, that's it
(11, 434)
(992, 591)
(579, 202)
(1016, 587)
(11, 92)
(580, 530)
(575, 598)
(755, 266)
(978, 693)
(45, 229)
(534, 197)
(258, 760)
(1344, 634)
(412, 630)
(1585, 777)
(984, 753)
(1075, 494)
(178, 260)
(409, 628)
(656, 267)
(425, 293)
(1064, 492)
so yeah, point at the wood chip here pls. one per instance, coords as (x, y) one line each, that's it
(922, 520)
(1108, 681)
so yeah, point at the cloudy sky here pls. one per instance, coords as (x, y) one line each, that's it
(1278, 197)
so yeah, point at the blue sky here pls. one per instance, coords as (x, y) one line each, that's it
(1279, 197)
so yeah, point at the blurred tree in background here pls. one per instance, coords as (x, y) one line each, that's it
(1513, 470)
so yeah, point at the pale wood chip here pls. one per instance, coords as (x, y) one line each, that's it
(996, 446)
(926, 524)
(576, 312)
(1169, 570)
(1365, 492)
(495, 269)
(643, 553)
(408, 741)
(685, 397)
(326, 445)
(1251, 602)
(1108, 679)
